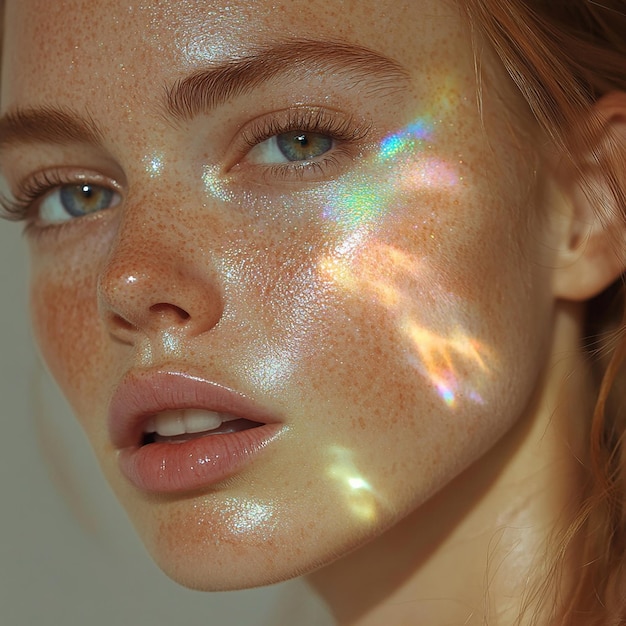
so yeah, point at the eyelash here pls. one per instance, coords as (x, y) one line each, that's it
(340, 129)
(29, 192)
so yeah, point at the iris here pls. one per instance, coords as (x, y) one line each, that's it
(79, 200)
(301, 146)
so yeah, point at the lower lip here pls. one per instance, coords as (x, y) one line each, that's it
(194, 464)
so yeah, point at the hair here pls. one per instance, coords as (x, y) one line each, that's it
(564, 55)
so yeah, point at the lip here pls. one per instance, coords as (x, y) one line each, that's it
(190, 465)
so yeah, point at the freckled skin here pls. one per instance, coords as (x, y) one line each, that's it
(349, 377)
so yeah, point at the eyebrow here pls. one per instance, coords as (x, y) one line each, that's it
(47, 125)
(209, 87)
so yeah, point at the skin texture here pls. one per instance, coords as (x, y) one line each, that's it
(395, 311)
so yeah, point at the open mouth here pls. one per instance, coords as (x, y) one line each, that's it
(179, 426)
(175, 432)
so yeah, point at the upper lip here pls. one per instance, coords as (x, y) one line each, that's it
(143, 394)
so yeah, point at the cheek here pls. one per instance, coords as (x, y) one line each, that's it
(66, 327)
(403, 372)
(433, 301)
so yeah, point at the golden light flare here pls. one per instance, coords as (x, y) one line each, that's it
(361, 498)
(455, 363)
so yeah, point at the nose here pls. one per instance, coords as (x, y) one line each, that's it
(156, 280)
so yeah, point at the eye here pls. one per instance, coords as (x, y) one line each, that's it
(298, 145)
(290, 147)
(71, 201)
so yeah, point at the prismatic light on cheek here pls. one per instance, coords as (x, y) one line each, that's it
(362, 499)
(441, 358)
(407, 139)
(404, 282)
(401, 164)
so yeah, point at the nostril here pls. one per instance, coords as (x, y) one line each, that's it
(165, 309)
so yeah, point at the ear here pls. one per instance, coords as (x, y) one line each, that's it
(592, 250)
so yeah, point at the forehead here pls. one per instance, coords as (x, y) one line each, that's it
(72, 49)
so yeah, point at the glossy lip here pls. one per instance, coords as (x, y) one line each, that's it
(193, 464)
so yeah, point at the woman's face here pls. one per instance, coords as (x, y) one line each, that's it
(288, 214)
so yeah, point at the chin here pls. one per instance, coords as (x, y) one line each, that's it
(213, 543)
(210, 565)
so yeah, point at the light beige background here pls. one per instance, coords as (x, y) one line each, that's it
(68, 556)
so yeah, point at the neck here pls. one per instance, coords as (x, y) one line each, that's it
(475, 552)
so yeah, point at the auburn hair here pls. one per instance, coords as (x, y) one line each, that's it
(565, 55)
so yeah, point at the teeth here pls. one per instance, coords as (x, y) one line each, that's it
(150, 426)
(197, 421)
(172, 423)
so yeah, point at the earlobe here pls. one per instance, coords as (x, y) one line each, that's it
(592, 250)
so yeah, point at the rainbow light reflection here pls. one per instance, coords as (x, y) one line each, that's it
(453, 362)
(442, 358)
(409, 138)
(361, 200)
